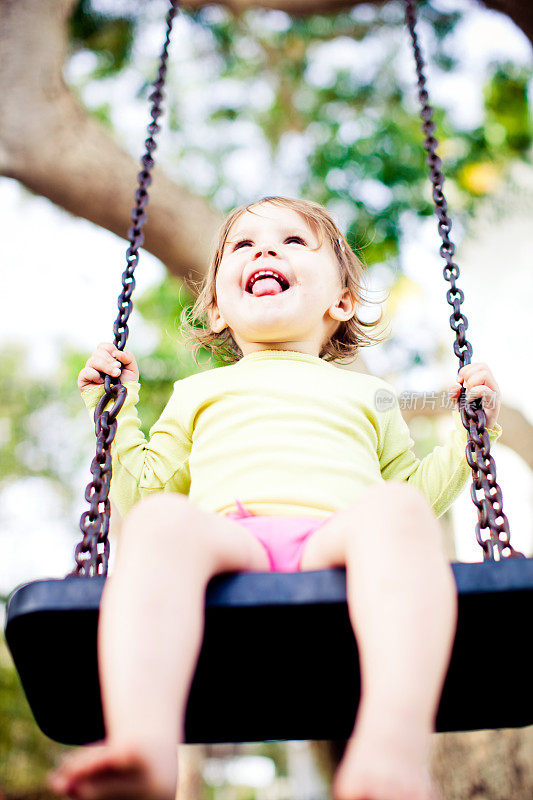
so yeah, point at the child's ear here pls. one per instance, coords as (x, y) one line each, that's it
(344, 308)
(216, 320)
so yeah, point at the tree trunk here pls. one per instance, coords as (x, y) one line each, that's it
(478, 765)
(190, 781)
(487, 765)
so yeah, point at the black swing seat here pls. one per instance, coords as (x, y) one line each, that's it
(279, 659)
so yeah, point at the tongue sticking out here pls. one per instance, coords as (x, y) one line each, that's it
(266, 286)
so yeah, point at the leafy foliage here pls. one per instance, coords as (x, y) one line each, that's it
(25, 404)
(508, 126)
(109, 37)
(26, 754)
(360, 125)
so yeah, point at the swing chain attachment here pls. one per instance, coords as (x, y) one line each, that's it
(490, 507)
(92, 553)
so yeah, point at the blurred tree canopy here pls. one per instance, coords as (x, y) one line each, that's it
(328, 85)
(358, 131)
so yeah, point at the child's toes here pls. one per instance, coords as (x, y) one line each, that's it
(107, 789)
(56, 783)
(75, 766)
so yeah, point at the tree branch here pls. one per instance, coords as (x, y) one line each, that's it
(519, 12)
(52, 146)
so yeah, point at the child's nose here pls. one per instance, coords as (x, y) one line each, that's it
(265, 250)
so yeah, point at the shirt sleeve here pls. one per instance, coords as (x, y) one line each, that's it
(441, 475)
(140, 466)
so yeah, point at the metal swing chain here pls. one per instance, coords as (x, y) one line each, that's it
(94, 524)
(490, 507)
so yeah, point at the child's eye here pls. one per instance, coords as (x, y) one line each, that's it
(295, 237)
(247, 241)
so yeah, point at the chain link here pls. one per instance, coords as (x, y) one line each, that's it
(490, 506)
(92, 553)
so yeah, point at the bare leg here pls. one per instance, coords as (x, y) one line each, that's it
(149, 638)
(403, 607)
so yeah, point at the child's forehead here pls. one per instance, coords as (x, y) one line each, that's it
(284, 218)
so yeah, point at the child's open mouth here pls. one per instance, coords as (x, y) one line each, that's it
(266, 282)
(267, 287)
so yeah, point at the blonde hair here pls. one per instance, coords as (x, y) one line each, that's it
(349, 336)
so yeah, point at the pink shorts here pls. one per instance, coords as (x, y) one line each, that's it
(283, 538)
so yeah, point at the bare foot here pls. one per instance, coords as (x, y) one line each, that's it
(118, 770)
(385, 763)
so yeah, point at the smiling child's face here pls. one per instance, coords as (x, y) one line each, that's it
(302, 317)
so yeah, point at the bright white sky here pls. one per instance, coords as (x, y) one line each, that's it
(61, 276)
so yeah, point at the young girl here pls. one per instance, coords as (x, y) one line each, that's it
(277, 461)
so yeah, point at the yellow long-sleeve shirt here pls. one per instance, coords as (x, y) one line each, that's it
(286, 433)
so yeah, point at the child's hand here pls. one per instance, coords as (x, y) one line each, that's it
(106, 358)
(479, 382)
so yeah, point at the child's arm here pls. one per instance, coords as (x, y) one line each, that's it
(442, 474)
(141, 467)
